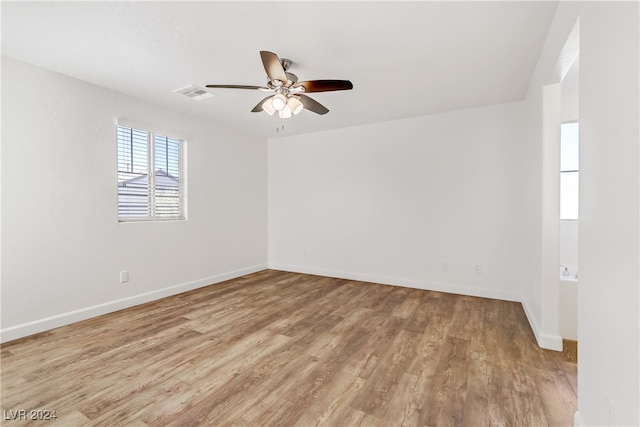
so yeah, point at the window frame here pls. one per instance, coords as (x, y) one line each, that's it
(152, 132)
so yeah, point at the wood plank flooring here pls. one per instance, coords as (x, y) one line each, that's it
(284, 349)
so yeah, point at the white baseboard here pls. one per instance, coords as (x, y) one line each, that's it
(547, 341)
(577, 420)
(45, 324)
(408, 283)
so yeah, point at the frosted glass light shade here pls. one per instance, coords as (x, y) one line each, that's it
(279, 101)
(295, 105)
(267, 107)
(285, 113)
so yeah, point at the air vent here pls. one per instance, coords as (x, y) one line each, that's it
(194, 92)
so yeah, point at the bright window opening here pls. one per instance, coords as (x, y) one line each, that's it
(150, 176)
(569, 170)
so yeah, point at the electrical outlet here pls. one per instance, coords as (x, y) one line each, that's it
(124, 276)
(478, 269)
(444, 267)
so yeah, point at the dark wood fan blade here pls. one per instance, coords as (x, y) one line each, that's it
(272, 66)
(237, 87)
(258, 107)
(313, 105)
(325, 85)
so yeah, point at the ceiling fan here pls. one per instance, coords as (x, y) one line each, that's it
(289, 94)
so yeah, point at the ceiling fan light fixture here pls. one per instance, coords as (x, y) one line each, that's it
(288, 95)
(285, 113)
(278, 102)
(295, 105)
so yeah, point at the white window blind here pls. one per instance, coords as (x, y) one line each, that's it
(150, 175)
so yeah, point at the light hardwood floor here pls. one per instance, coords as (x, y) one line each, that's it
(284, 349)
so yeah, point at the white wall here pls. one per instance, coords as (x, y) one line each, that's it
(569, 244)
(62, 245)
(570, 105)
(547, 330)
(608, 292)
(608, 305)
(391, 202)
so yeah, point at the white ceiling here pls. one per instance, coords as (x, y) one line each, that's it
(405, 59)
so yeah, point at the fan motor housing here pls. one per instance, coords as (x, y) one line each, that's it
(286, 63)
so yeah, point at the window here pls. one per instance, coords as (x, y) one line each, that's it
(150, 174)
(569, 170)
